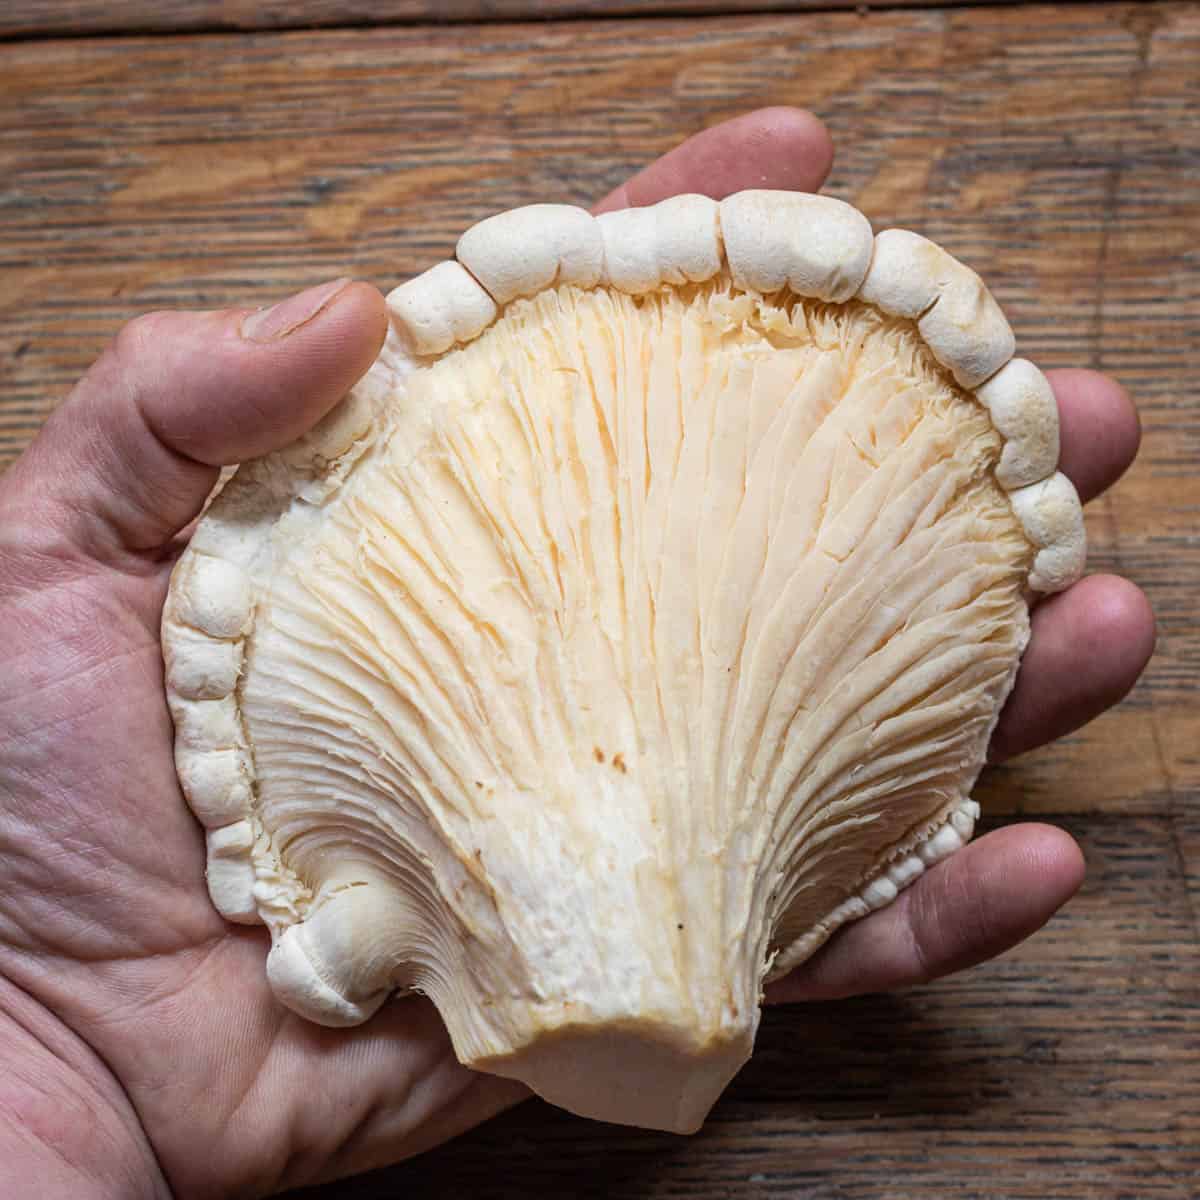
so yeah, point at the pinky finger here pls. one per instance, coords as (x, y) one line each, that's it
(976, 904)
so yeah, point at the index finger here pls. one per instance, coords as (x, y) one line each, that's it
(784, 148)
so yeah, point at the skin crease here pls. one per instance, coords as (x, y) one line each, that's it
(144, 1055)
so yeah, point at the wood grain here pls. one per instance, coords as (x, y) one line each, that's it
(70, 18)
(1057, 149)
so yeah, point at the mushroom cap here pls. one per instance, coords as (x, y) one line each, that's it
(639, 619)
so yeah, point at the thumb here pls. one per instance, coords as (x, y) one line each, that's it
(131, 456)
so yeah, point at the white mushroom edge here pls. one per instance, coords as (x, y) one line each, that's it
(815, 246)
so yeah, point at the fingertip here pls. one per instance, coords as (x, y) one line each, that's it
(343, 333)
(777, 148)
(1100, 430)
(1088, 647)
(1120, 624)
(998, 891)
(355, 324)
(980, 902)
(798, 141)
(1056, 858)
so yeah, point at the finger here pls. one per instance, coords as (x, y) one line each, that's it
(976, 904)
(1088, 646)
(1099, 429)
(132, 454)
(784, 148)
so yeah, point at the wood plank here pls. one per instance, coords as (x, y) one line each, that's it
(1068, 1068)
(1056, 149)
(66, 18)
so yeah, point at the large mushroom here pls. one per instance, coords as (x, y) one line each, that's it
(638, 620)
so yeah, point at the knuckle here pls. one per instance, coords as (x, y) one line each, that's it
(131, 361)
(138, 337)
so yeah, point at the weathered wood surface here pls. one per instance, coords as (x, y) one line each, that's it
(1057, 149)
(68, 18)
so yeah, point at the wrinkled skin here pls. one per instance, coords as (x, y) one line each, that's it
(143, 1053)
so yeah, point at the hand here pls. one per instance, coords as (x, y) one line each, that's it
(144, 1054)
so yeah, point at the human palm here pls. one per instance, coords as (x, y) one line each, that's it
(146, 1055)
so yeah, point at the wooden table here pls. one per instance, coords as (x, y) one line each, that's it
(199, 154)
